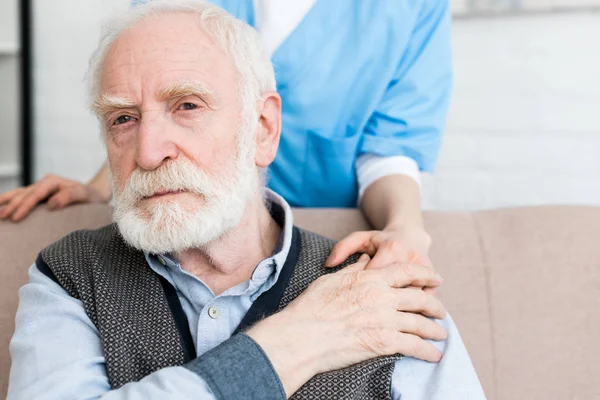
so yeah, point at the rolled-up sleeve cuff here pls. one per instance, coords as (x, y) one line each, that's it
(371, 167)
(238, 368)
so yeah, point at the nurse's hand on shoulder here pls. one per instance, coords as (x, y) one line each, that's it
(387, 247)
(350, 316)
(59, 191)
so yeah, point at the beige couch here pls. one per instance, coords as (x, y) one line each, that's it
(522, 284)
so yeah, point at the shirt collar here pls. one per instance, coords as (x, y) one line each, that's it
(268, 270)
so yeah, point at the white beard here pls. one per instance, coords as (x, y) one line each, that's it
(161, 226)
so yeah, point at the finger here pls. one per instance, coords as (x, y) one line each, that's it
(8, 210)
(38, 193)
(357, 242)
(44, 188)
(30, 201)
(417, 301)
(359, 265)
(420, 326)
(429, 290)
(413, 346)
(389, 252)
(411, 275)
(67, 196)
(8, 196)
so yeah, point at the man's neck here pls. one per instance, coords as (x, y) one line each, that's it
(232, 259)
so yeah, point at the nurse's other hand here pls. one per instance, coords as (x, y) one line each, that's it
(60, 192)
(405, 245)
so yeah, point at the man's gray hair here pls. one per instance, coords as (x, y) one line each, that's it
(237, 39)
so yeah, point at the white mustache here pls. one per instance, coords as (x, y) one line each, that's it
(173, 176)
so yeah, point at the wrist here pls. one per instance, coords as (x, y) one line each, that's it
(293, 354)
(405, 225)
(406, 215)
(411, 232)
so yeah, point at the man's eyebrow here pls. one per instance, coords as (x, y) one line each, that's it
(107, 103)
(185, 88)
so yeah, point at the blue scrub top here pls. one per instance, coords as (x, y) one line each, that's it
(357, 77)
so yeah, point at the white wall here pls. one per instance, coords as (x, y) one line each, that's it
(67, 140)
(9, 95)
(523, 123)
(522, 126)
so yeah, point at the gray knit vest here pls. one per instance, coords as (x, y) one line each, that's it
(135, 310)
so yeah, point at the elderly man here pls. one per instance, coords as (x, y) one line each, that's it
(204, 288)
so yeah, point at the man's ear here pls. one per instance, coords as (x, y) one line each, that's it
(269, 129)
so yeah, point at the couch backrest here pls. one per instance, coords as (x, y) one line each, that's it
(522, 284)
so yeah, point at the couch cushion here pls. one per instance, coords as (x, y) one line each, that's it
(543, 266)
(19, 246)
(522, 284)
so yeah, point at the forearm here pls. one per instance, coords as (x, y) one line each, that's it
(101, 182)
(393, 202)
(74, 366)
(296, 358)
(236, 368)
(173, 382)
(168, 383)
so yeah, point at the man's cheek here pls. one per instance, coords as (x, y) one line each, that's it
(120, 169)
(213, 158)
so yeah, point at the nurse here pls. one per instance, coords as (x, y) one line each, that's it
(365, 86)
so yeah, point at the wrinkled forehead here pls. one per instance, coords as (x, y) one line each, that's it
(160, 50)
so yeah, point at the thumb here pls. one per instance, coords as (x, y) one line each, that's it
(357, 242)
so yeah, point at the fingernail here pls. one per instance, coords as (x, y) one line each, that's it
(364, 257)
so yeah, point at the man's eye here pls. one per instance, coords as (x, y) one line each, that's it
(187, 106)
(123, 119)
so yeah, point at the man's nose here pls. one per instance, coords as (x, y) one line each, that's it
(155, 143)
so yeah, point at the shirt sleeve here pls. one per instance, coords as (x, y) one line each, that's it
(453, 378)
(57, 354)
(411, 116)
(370, 168)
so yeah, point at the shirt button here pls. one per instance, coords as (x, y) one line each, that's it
(213, 312)
(162, 260)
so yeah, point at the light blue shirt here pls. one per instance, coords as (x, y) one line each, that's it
(356, 77)
(56, 350)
